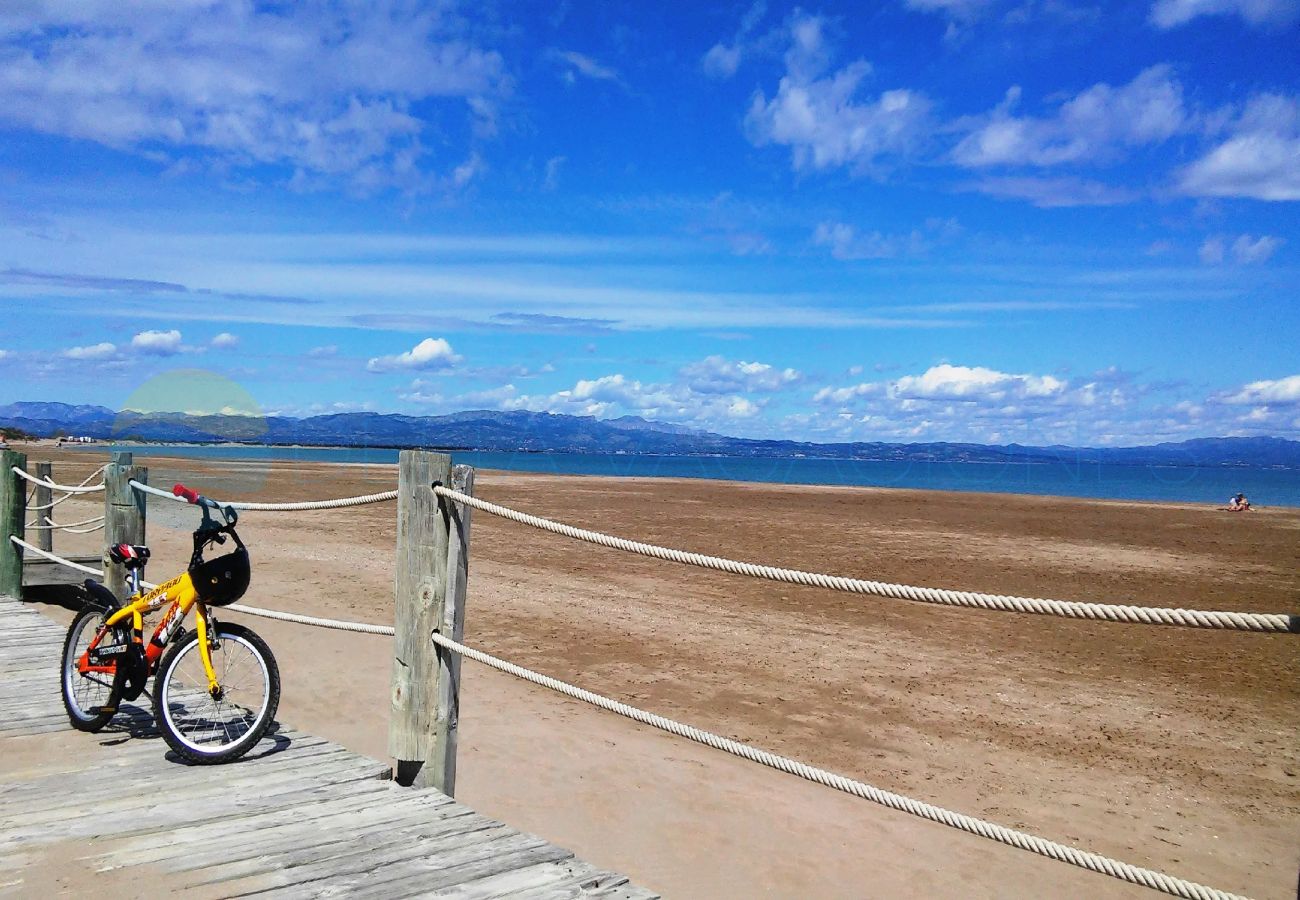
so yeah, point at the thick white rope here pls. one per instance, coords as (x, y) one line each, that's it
(53, 558)
(1094, 862)
(1106, 612)
(279, 507)
(1177, 887)
(82, 488)
(56, 502)
(50, 523)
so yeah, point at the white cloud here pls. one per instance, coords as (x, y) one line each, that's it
(821, 117)
(1260, 158)
(103, 350)
(225, 341)
(1055, 193)
(4, 354)
(718, 375)
(1211, 251)
(962, 10)
(551, 180)
(1249, 249)
(950, 382)
(722, 60)
(323, 352)
(429, 354)
(157, 343)
(584, 65)
(1279, 392)
(325, 88)
(1245, 249)
(847, 243)
(1093, 126)
(1172, 13)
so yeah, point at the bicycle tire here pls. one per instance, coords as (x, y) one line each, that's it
(180, 684)
(82, 715)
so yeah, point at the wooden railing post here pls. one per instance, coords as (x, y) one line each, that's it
(44, 495)
(13, 515)
(124, 515)
(440, 763)
(419, 600)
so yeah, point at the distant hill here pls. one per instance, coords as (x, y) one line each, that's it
(533, 431)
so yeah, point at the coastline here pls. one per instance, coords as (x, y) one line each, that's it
(1203, 485)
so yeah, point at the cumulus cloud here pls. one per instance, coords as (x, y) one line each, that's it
(1172, 13)
(1091, 127)
(1259, 159)
(103, 350)
(225, 341)
(823, 119)
(947, 382)
(327, 89)
(1278, 392)
(429, 354)
(157, 343)
(718, 375)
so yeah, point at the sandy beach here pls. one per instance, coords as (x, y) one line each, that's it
(1170, 748)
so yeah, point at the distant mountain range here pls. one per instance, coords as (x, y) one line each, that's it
(530, 431)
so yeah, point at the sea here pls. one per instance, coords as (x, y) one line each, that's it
(1062, 477)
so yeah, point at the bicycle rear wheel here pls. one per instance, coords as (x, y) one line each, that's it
(204, 728)
(91, 698)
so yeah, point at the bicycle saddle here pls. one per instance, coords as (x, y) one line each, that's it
(133, 556)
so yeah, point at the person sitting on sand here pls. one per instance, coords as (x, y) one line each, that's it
(1239, 503)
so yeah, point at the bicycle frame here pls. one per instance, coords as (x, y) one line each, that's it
(180, 591)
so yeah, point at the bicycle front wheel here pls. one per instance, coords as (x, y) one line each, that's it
(90, 698)
(204, 726)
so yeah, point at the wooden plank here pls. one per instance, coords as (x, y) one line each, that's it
(13, 511)
(124, 515)
(308, 818)
(421, 592)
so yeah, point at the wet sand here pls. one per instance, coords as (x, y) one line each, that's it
(1170, 748)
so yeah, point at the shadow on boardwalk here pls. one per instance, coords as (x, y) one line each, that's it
(299, 816)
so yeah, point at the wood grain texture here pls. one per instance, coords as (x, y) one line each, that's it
(421, 590)
(13, 512)
(124, 515)
(44, 537)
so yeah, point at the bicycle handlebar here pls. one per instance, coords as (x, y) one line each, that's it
(188, 494)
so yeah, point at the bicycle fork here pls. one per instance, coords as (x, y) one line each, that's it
(205, 649)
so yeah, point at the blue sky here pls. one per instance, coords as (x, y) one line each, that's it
(1034, 220)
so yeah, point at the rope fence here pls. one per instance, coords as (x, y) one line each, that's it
(72, 492)
(1093, 862)
(278, 507)
(1250, 622)
(82, 488)
(1105, 612)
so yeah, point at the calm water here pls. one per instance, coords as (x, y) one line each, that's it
(1265, 487)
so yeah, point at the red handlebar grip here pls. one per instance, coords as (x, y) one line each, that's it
(181, 490)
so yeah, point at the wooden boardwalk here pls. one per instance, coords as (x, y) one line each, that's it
(298, 817)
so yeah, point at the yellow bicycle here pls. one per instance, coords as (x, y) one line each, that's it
(216, 689)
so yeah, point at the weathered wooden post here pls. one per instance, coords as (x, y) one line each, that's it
(440, 762)
(13, 513)
(432, 559)
(124, 517)
(44, 496)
